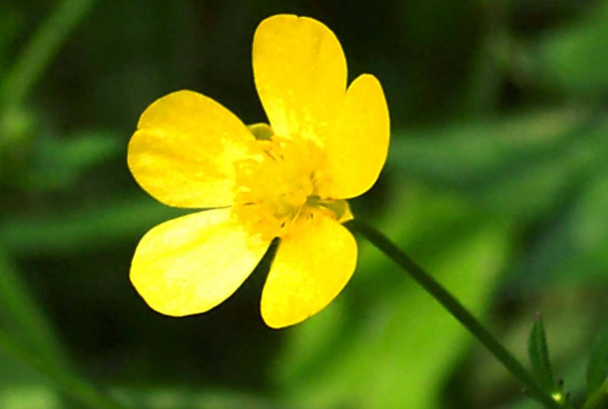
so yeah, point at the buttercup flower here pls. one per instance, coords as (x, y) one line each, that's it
(287, 180)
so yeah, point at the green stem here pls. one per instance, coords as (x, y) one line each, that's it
(39, 51)
(69, 383)
(456, 309)
(599, 398)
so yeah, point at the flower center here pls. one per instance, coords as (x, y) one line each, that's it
(279, 186)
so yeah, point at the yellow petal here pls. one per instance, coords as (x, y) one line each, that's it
(300, 74)
(184, 150)
(357, 147)
(312, 265)
(191, 264)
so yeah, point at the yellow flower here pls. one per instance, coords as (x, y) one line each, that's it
(287, 180)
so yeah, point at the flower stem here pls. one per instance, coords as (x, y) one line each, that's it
(456, 309)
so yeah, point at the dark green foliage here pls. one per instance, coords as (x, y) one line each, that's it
(497, 181)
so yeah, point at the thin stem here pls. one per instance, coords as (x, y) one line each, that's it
(40, 50)
(599, 398)
(456, 309)
(69, 383)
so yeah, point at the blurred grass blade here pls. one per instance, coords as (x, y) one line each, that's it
(568, 59)
(538, 353)
(163, 396)
(20, 308)
(473, 153)
(597, 368)
(59, 162)
(42, 47)
(493, 161)
(64, 380)
(85, 228)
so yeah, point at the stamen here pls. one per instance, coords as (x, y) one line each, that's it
(280, 185)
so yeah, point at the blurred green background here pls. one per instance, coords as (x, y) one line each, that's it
(497, 182)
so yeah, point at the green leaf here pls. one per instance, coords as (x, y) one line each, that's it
(518, 166)
(538, 353)
(40, 50)
(86, 228)
(472, 153)
(597, 368)
(573, 248)
(67, 381)
(25, 322)
(527, 167)
(58, 162)
(19, 308)
(570, 58)
(22, 320)
(163, 396)
(22, 387)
